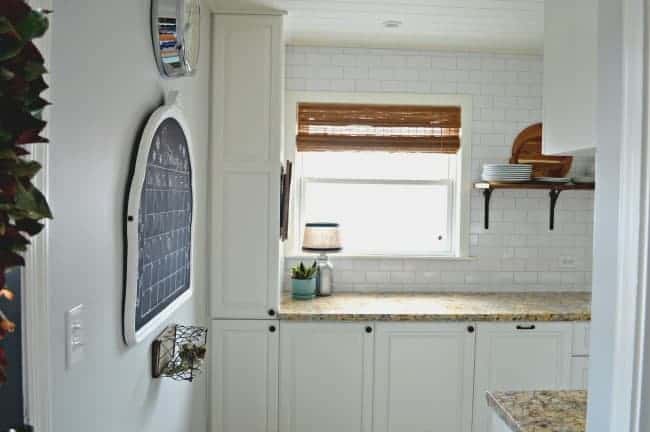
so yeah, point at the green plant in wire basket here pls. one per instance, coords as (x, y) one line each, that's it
(191, 358)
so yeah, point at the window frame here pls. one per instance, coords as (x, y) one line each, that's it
(461, 187)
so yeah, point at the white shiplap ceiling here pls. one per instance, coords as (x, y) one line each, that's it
(473, 25)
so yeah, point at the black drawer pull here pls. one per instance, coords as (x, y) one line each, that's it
(526, 327)
(271, 312)
(470, 329)
(272, 329)
(368, 329)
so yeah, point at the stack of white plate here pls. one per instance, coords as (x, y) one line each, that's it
(507, 172)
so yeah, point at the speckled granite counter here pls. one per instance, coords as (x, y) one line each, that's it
(441, 307)
(534, 411)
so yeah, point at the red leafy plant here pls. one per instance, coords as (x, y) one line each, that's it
(22, 206)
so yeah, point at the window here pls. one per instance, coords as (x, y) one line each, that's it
(389, 174)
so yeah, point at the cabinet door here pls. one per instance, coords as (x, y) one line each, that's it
(498, 425)
(424, 377)
(579, 373)
(519, 356)
(326, 377)
(581, 339)
(245, 153)
(244, 372)
(570, 75)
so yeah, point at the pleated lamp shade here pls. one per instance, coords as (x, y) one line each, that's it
(321, 237)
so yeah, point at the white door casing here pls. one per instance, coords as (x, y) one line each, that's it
(35, 294)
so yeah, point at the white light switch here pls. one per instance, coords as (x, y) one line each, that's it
(75, 337)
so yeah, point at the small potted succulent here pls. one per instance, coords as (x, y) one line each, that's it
(303, 281)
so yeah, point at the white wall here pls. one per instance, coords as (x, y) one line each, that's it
(518, 252)
(104, 86)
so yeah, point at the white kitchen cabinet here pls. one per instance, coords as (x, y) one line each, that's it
(581, 338)
(570, 75)
(519, 356)
(245, 157)
(498, 425)
(424, 377)
(579, 373)
(326, 377)
(244, 375)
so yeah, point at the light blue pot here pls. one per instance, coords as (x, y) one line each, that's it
(303, 289)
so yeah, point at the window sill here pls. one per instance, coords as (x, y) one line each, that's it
(341, 256)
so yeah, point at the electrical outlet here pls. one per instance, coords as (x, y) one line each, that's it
(568, 262)
(75, 337)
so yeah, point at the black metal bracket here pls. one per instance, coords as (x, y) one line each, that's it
(487, 194)
(554, 194)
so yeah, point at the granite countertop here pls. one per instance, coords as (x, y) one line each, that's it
(534, 411)
(551, 306)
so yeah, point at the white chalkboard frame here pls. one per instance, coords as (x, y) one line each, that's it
(131, 334)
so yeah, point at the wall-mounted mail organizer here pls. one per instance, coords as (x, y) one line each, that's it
(553, 188)
(179, 352)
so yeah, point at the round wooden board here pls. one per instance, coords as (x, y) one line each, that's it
(527, 149)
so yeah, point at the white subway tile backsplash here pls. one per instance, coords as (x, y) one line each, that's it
(418, 61)
(493, 63)
(393, 60)
(342, 85)
(402, 277)
(367, 85)
(469, 62)
(344, 60)
(318, 59)
(444, 62)
(378, 277)
(355, 72)
(518, 252)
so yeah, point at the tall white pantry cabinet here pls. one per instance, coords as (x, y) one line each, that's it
(246, 153)
(245, 166)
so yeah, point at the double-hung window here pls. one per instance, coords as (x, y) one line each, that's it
(387, 173)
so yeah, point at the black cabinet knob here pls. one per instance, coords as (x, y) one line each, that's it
(368, 329)
(271, 312)
(470, 329)
(272, 329)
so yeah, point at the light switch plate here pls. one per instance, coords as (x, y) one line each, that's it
(567, 262)
(75, 337)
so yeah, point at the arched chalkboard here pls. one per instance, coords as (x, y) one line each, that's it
(159, 225)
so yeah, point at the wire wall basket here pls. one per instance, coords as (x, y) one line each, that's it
(179, 352)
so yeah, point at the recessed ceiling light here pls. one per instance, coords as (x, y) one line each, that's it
(392, 23)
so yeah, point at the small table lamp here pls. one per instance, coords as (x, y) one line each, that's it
(322, 238)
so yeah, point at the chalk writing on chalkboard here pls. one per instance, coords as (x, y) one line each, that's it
(158, 228)
(164, 223)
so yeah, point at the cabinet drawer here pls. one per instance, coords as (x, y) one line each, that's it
(581, 336)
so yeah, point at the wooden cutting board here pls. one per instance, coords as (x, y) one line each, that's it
(527, 149)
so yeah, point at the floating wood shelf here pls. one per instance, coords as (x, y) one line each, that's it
(553, 188)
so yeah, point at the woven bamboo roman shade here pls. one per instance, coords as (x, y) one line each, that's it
(363, 127)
